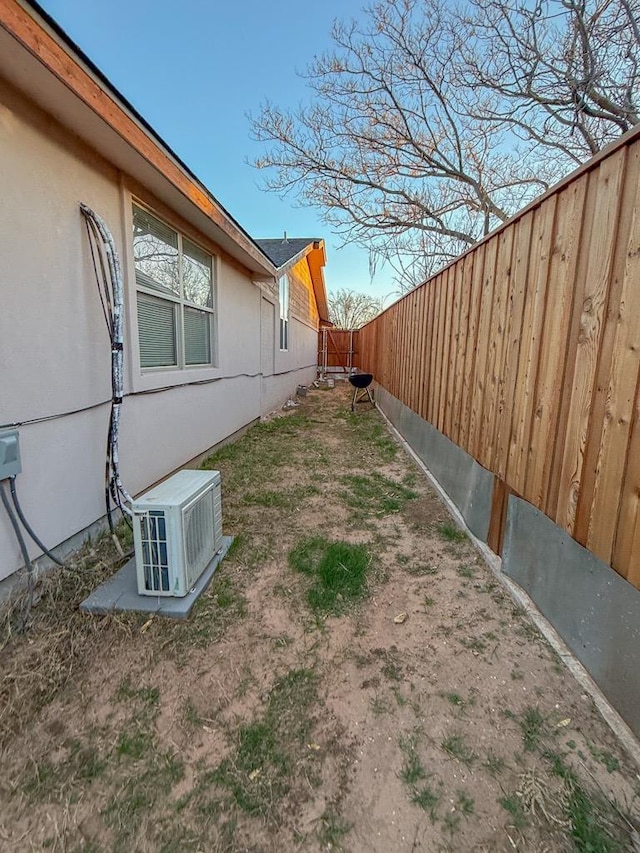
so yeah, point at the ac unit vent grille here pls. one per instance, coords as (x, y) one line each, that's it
(199, 535)
(155, 556)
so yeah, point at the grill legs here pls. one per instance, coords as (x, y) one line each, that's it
(364, 392)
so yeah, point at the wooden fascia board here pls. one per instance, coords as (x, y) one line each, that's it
(317, 260)
(34, 38)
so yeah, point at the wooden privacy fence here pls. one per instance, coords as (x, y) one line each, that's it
(338, 348)
(525, 352)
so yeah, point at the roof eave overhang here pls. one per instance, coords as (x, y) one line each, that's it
(317, 260)
(41, 63)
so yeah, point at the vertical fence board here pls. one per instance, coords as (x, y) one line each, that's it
(409, 351)
(626, 553)
(458, 355)
(598, 250)
(452, 314)
(530, 345)
(562, 271)
(482, 347)
(401, 363)
(422, 347)
(466, 265)
(520, 268)
(470, 357)
(441, 308)
(446, 342)
(496, 343)
(621, 379)
(415, 347)
(404, 355)
(433, 336)
(435, 378)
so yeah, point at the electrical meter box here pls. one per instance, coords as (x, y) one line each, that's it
(10, 463)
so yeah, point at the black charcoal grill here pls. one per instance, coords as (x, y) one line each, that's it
(361, 382)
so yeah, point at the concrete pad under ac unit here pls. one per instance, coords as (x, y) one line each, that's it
(120, 593)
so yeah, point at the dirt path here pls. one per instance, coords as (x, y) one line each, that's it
(354, 678)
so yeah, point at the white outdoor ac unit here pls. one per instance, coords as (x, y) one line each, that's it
(177, 531)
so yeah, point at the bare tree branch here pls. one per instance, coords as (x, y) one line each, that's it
(434, 120)
(349, 309)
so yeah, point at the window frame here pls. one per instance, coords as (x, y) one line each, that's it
(284, 301)
(155, 378)
(180, 372)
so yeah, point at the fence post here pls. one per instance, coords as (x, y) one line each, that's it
(497, 522)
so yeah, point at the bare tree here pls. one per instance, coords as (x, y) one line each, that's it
(428, 122)
(566, 71)
(349, 309)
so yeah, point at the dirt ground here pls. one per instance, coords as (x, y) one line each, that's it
(412, 708)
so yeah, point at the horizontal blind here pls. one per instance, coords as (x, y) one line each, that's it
(197, 336)
(156, 332)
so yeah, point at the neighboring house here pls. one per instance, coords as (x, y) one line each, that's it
(204, 349)
(298, 301)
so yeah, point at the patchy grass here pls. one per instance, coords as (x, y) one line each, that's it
(56, 640)
(466, 572)
(418, 569)
(493, 764)
(603, 756)
(532, 725)
(378, 706)
(338, 571)
(332, 830)
(513, 805)
(374, 494)
(465, 804)
(595, 823)
(219, 607)
(268, 752)
(456, 746)
(427, 799)
(450, 533)
(365, 434)
(414, 775)
(280, 499)
(412, 769)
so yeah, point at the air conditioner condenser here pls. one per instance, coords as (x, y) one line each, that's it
(177, 531)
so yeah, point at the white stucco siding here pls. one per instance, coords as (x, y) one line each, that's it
(61, 486)
(238, 325)
(293, 368)
(161, 432)
(52, 332)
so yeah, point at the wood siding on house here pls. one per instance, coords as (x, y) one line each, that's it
(303, 302)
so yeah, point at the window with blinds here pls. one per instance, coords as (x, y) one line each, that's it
(284, 312)
(175, 296)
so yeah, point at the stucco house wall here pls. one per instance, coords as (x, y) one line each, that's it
(55, 351)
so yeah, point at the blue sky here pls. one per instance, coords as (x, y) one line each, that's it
(195, 69)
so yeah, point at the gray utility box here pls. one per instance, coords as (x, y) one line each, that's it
(10, 463)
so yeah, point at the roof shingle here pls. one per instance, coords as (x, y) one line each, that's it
(280, 251)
